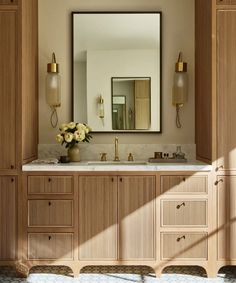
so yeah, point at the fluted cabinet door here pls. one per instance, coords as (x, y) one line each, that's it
(226, 90)
(7, 218)
(136, 206)
(226, 217)
(97, 218)
(8, 88)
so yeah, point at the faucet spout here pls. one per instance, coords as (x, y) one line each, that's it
(116, 150)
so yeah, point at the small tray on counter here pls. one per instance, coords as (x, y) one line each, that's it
(167, 160)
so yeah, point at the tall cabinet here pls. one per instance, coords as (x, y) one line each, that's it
(18, 111)
(216, 115)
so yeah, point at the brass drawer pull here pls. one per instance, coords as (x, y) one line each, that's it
(218, 181)
(12, 166)
(49, 203)
(184, 179)
(180, 238)
(12, 180)
(112, 179)
(179, 205)
(121, 180)
(49, 179)
(49, 238)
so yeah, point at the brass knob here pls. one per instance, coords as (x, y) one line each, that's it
(49, 238)
(49, 179)
(12, 180)
(184, 179)
(49, 203)
(121, 179)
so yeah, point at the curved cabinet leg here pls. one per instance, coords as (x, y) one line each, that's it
(158, 272)
(22, 270)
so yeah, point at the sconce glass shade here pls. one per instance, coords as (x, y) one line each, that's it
(53, 89)
(101, 107)
(180, 88)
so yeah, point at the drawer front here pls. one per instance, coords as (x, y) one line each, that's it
(184, 212)
(8, 2)
(184, 184)
(184, 246)
(225, 2)
(57, 213)
(50, 246)
(50, 185)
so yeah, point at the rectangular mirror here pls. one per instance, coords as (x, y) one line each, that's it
(114, 55)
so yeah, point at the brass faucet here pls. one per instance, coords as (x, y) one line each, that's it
(116, 150)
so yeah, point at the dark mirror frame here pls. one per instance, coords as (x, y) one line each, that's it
(72, 68)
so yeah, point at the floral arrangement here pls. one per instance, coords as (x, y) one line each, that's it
(73, 133)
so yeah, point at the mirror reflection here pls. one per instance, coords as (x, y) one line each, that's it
(124, 48)
(131, 100)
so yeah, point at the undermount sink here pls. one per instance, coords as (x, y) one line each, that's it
(117, 163)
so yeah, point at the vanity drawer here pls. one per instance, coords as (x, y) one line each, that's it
(50, 246)
(184, 213)
(184, 246)
(50, 185)
(184, 184)
(57, 213)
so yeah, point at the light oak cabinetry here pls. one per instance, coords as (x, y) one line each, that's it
(18, 103)
(50, 228)
(130, 231)
(116, 218)
(8, 218)
(98, 217)
(184, 219)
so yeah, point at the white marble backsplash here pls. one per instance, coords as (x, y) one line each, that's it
(91, 151)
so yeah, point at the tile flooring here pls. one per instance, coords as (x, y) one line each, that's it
(112, 274)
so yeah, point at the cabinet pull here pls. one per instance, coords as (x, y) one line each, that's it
(219, 167)
(49, 179)
(12, 180)
(121, 180)
(12, 166)
(180, 238)
(112, 179)
(184, 179)
(49, 203)
(49, 238)
(218, 181)
(179, 205)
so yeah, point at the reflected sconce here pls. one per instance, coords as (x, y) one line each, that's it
(180, 87)
(53, 89)
(101, 108)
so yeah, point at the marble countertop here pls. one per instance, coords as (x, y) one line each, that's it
(116, 166)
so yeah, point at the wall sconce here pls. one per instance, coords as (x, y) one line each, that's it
(53, 89)
(180, 87)
(101, 108)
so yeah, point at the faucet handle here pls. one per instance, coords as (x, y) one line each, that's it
(130, 157)
(103, 156)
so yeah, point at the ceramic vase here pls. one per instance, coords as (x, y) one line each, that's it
(74, 153)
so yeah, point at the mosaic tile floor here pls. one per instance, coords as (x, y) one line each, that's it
(117, 275)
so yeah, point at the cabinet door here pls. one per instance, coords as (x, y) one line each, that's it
(97, 217)
(7, 218)
(8, 79)
(226, 86)
(136, 217)
(226, 204)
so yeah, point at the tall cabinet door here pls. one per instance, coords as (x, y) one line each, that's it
(136, 202)
(226, 203)
(97, 218)
(226, 89)
(8, 87)
(7, 218)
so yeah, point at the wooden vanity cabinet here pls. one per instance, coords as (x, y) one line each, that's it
(118, 211)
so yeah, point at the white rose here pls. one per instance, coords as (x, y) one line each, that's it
(81, 127)
(59, 138)
(63, 127)
(79, 135)
(68, 137)
(71, 125)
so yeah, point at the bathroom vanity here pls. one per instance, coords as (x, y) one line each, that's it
(80, 214)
